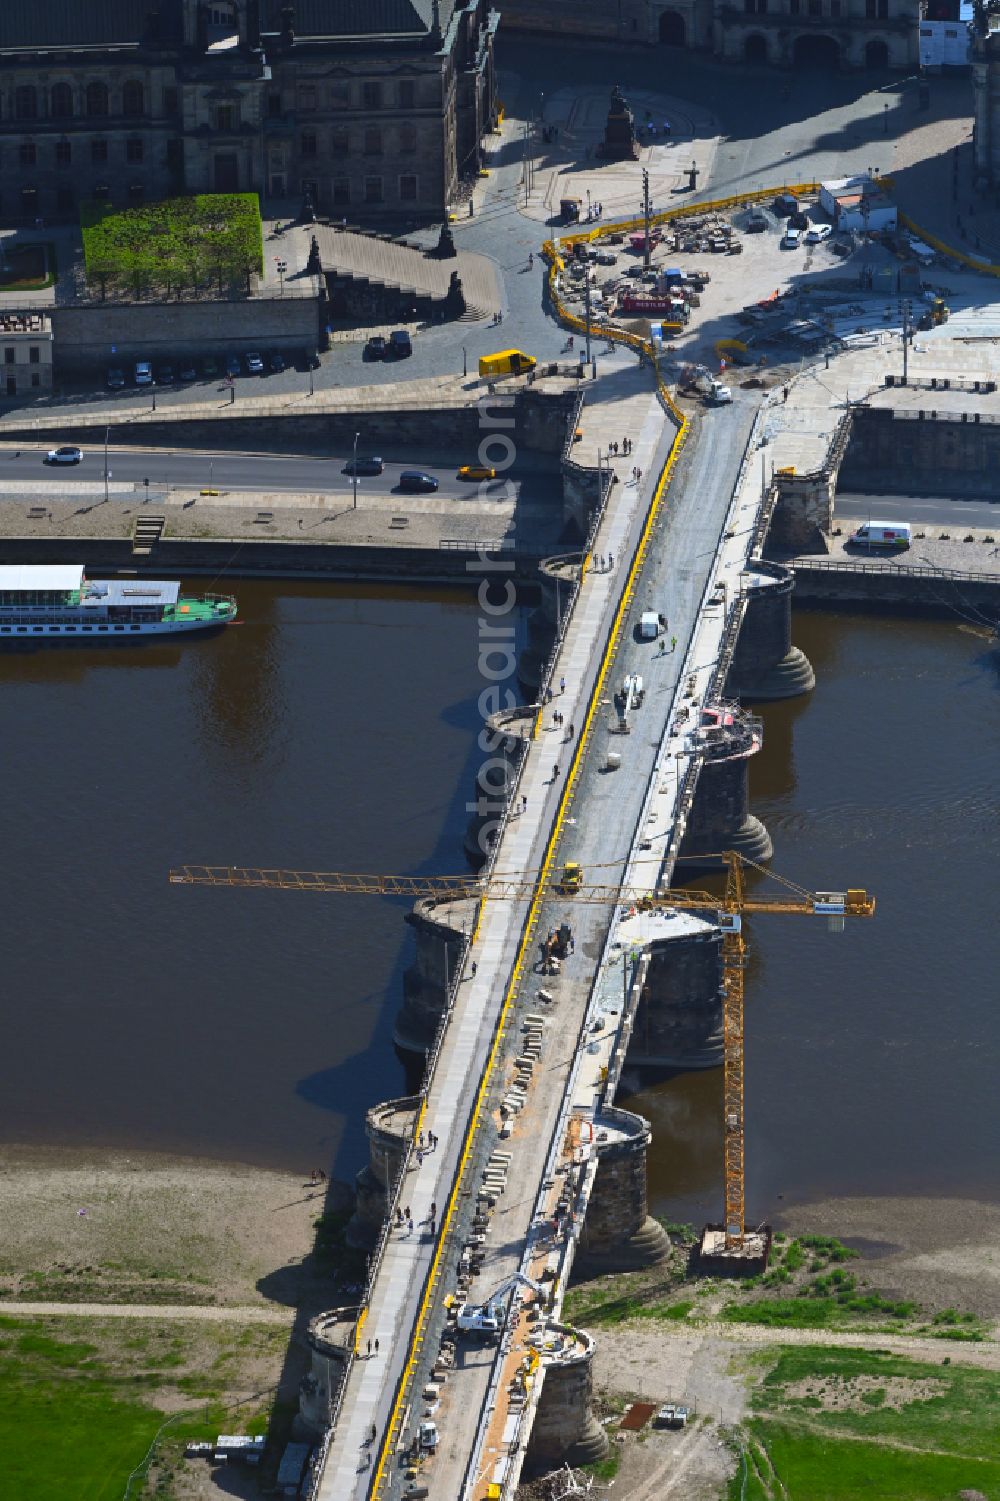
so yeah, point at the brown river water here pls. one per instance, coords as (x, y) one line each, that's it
(336, 729)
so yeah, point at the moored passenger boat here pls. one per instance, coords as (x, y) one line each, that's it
(58, 603)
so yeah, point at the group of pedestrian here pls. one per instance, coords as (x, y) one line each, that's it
(594, 211)
(623, 448)
(557, 718)
(636, 473)
(429, 1137)
(317, 1176)
(372, 1348)
(604, 564)
(497, 318)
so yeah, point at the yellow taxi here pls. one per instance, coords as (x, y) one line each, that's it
(476, 471)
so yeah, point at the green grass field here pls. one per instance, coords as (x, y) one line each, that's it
(833, 1425)
(77, 1417)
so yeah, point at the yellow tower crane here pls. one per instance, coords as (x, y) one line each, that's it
(730, 909)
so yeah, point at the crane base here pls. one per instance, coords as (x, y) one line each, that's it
(715, 1259)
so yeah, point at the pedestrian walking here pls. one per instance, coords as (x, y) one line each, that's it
(433, 1210)
(475, 966)
(784, 393)
(524, 803)
(611, 560)
(409, 1227)
(376, 1347)
(531, 259)
(638, 476)
(406, 1212)
(420, 1139)
(369, 1349)
(420, 1158)
(555, 771)
(562, 685)
(374, 1432)
(673, 643)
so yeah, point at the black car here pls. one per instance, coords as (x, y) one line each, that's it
(277, 362)
(165, 375)
(364, 466)
(210, 367)
(756, 224)
(798, 220)
(399, 343)
(376, 348)
(415, 482)
(188, 370)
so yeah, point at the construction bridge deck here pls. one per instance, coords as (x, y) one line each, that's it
(682, 554)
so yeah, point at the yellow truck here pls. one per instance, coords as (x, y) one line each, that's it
(507, 362)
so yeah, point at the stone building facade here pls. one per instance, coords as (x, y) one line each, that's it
(838, 34)
(375, 111)
(26, 342)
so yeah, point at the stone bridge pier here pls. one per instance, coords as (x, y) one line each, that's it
(720, 817)
(330, 1337)
(507, 734)
(678, 1014)
(390, 1130)
(619, 1233)
(441, 927)
(766, 666)
(565, 1430)
(558, 579)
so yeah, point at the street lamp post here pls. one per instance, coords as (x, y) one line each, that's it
(465, 360)
(885, 118)
(107, 430)
(355, 469)
(282, 268)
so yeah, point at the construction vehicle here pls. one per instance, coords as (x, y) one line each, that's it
(572, 878)
(729, 912)
(936, 314)
(489, 1318)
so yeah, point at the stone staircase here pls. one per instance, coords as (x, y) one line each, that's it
(146, 532)
(390, 263)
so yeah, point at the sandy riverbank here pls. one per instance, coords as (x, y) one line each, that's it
(122, 1227)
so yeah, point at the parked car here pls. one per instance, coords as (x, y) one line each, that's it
(376, 348)
(757, 223)
(277, 362)
(210, 367)
(791, 239)
(116, 379)
(255, 365)
(364, 466)
(818, 233)
(476, 471)
(66, 455)
(635, 271)
(188, 370)
(798, 220)
(143, 373)
(606, 258)
(415, 482)
(233, 366)
(399, 343)
(165, 375)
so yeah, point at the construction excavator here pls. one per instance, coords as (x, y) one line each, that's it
(729, 910)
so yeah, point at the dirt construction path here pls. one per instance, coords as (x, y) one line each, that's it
(208, 1313)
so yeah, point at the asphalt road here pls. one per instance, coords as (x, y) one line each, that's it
(922, 510)
(253, 472)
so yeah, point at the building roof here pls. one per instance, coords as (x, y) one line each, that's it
(59, 578)
(331, 18)
(33, 24)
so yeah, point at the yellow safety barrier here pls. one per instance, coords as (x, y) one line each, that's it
(987, 267)
(362, 1320)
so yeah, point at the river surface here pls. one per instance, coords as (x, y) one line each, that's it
(871, 1056)
(336, 729)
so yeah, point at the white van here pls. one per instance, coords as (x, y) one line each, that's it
(895, 535)
(649, 625)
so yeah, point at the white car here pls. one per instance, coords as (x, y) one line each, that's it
(791, 239)
(66, 455)
(818, 233)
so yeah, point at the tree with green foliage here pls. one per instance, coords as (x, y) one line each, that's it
(181, 241)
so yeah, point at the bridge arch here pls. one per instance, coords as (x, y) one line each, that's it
(755, 48)
(812, 51)
(673, 29)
